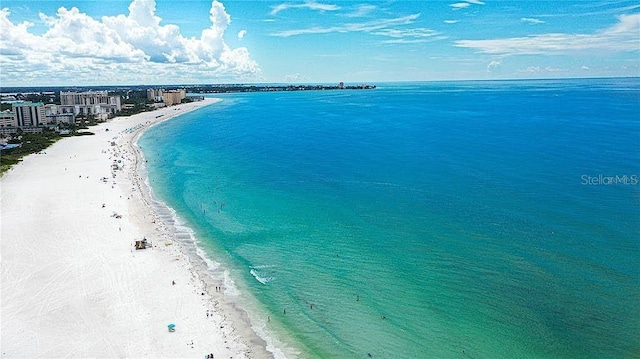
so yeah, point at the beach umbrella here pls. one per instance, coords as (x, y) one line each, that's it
(172, 327)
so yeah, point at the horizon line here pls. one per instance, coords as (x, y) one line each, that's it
(2, 88)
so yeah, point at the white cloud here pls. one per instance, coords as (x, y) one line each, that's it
(408, 36)
(626, 24)
(493, 65)
(451, 21)
(586, 68)
(401, 33)
(539, 70)
(362, 11)
(132, 44)
(531, 20)
(312, 5)
(409, 41)
(460, 5)
(355, 27)
(621, 37)
(241, 34)
(465, 4)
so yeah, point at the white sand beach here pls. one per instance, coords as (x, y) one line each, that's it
(74, 286)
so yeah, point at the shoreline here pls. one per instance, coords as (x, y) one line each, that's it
(72, 283)
(207, 269)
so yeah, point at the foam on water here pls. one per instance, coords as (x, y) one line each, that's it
(255, 274)
(230, 285)
(177, 229)
(259, 277)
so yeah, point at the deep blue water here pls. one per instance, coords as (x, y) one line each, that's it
(477, 218)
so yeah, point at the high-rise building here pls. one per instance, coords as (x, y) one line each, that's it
(53, 116)
(173, 97)
(8, 119)
(29, 113)
(96, 103)
(154, 95)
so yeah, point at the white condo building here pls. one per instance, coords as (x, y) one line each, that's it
(8, 119)
(53, 116)
(154, 95)
(96, 103)
(29, 113)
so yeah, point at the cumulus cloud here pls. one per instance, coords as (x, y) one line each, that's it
(451, 21)
(621, 37)
(76, 34)
(312, 5)
(241, 34)
(76, 43)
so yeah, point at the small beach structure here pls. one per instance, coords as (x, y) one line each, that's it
(142, 244)
(172, 327)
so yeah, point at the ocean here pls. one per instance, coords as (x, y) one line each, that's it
(474, 219)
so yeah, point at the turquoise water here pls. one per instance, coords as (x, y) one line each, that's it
(471, 216)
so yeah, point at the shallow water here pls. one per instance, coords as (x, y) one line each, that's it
(471, 216)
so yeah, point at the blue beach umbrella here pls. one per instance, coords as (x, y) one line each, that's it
(172, 327)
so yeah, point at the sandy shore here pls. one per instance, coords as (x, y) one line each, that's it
(74, 286)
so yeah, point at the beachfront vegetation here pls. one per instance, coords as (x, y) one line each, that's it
(133, 101)
(33, 143)
(33, 97)
(30, 143)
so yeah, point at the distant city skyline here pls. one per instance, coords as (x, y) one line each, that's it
(147, 42)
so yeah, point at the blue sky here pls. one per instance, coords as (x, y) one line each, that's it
(90, 42)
